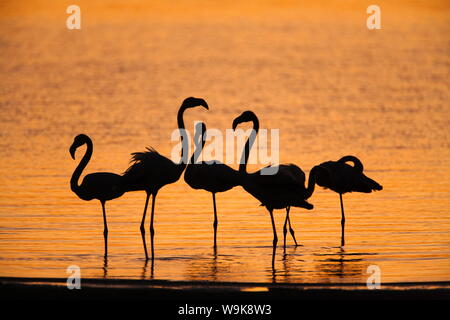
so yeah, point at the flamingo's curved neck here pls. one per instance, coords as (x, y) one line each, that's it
(83, 163)
(357, 164)
(198, 146)
(248, 146)
(311, 182)
(183, 138)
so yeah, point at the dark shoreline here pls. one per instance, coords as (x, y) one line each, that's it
(213, 292)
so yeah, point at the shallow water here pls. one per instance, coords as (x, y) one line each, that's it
(331, 86)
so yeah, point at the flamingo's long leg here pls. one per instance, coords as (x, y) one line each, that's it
(291, 230)
(105, 228)
(342, 221)
(143, 227)
(275, 238)
(215, 220)
(285, 227)
(152, 230)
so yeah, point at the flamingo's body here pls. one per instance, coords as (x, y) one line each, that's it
(343, 178)
(284, 188)
(211, 176)
(214, 177)
(103, 186)
(150, 171)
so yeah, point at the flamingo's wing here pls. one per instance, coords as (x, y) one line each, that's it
(285, 188)
(362, 183)
(149, 168)
(286, 175)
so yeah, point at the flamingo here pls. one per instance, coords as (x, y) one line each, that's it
(342, 178)
(283, 189)
(150, 171)
(102, 186)
(212, 176)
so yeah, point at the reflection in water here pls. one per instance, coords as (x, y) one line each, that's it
(105, 266)
(341, 264)
(145, 267)
(212, 267)
(297, 264)
(292, 263)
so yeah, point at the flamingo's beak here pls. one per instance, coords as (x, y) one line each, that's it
(236, 122)
(203, 104)
(72, 151)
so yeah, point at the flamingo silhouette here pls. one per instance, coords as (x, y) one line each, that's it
(102, 186)
(284, 188)
(150, 171)
(342, 178)
(211, 176)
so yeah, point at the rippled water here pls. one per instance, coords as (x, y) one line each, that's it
(331, 86)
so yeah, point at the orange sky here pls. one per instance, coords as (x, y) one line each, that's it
(192, 8)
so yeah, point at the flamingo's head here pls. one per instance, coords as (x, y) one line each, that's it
(192, 102)
(246, 116)
(78, 141)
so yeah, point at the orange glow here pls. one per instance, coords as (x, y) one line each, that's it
(312, 70)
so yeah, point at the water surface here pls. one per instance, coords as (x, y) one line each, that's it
(331, 86)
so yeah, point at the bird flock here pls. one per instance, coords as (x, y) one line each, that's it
(149, 171)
